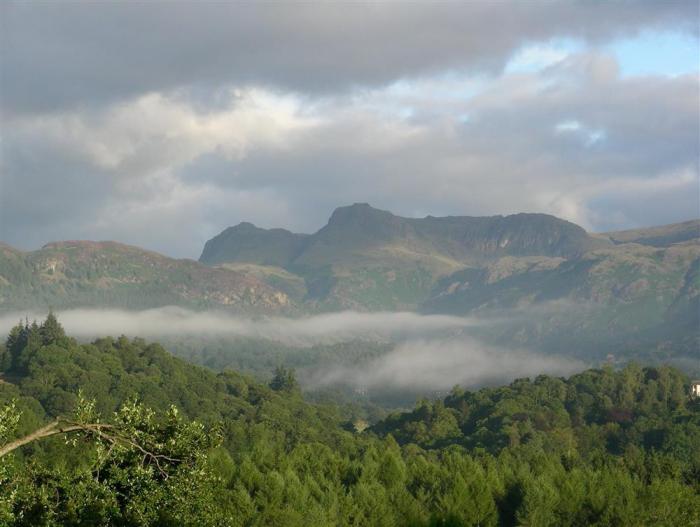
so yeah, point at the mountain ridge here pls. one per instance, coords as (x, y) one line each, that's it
(368, 258)
(635, 290)
(360, 227)
(623, 290)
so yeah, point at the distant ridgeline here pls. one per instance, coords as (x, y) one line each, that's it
(553, 286)
(89, 436)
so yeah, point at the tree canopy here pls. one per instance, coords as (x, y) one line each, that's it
(158, 441)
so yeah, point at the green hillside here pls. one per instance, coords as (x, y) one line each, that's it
(603, 447)
(549, 285)
(626, 300)
(108, 274)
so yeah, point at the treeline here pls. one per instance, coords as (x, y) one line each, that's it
(601, 448)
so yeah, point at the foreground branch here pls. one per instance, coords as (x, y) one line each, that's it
(102, 431)
(59, 426)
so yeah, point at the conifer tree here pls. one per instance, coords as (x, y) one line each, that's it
(27, 344)
(51, 330)
(284, 380)
(13, 345)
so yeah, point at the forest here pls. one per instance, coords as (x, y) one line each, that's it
(120, 432)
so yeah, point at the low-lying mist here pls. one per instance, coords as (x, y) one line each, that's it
(429, 352)
(302, 331)
(440, 364)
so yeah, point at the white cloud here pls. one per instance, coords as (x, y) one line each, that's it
(156, 132)
(560, 140)
(568, 126)
(537, 57)
(587, 135)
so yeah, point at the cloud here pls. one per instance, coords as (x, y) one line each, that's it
(537, 57)
(495, 149)
(440, 364)
(119, 116)
(175, 321)
(69, 55)
(155, 132)
(563, 140)
(125, 161)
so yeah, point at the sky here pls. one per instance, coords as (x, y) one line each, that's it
(160, 124)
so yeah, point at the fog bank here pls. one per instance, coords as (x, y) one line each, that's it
(432, 352)
(440, 364)
(175, 321)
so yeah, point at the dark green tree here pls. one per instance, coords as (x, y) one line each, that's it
(284, 380)
(51, 330)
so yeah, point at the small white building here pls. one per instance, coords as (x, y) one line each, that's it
(695, 388)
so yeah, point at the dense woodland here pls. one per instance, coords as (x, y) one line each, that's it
(153, 440)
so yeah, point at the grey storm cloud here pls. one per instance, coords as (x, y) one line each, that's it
(160, 124)
(78, 53)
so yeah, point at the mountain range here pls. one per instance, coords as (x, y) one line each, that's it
(548, 281)
(548, 278)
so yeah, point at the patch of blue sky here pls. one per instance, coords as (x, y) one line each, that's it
(648, 53)
(668, 53)
(657, 53)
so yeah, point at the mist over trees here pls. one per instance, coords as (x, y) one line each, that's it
(186, 446)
